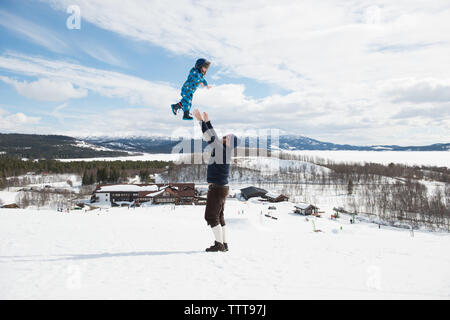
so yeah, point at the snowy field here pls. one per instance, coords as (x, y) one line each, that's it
(8, 197)
(271, 165)
(158, 253)
(39, 182)
(143, 157)
(426, 158)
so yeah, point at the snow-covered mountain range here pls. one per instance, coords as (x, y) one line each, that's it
(160, 144)
(62, 147)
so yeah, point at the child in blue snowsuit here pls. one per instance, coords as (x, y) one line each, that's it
(195, 78)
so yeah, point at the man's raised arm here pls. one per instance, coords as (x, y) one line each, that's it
(209, 134)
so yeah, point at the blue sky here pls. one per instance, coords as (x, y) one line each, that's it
(363, 72)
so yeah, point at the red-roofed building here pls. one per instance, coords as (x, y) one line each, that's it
(176, 193)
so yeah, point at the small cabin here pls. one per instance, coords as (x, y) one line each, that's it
(275, 197)
(306, 209)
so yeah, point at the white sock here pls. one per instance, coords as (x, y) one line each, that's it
(223, 235)
(217, 230)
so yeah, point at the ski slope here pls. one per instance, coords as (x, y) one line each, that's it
(157, 253)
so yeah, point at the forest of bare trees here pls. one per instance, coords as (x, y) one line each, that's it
(392, 193)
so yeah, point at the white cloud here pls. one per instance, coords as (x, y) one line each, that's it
(102, 54)
(342, 62)
(106, 83)
(309, 113)
(294, 44)
(420, 90)
(46, 90)
(33, 32)
(15, 121)
(55, 41)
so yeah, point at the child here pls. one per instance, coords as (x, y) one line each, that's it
(195, 78)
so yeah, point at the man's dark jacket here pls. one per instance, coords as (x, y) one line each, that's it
(219, 162)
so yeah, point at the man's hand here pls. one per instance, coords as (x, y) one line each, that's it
(197, 115)
(205, 117)
(208, 87)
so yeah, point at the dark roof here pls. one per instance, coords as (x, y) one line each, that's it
(251, 192)
(10, 206)
(276, 196)
(187, 192)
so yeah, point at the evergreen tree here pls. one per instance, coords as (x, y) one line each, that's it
(144, 175)
(85, 179)
(91, 180)
(102, 175)
(123, 176)
(114, 175)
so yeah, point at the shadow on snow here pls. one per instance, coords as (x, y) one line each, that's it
(4, 259)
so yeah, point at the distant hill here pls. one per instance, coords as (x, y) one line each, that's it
(286, 142)
(63, 147)
(51, 146)
(136, 144)
(304, 143)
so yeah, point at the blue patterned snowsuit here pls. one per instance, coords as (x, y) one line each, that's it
(187, 91)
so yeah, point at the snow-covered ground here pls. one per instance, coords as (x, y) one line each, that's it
(271, 165)
(39, 181)
(426, 158)
(158, 253)
(143, 157)
(8, 197)
(56, 181)
(84, 144)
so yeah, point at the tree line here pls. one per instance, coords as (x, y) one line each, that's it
(393, 170)
(49, 147)
(90, 171)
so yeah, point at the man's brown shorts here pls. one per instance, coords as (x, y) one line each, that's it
(215, 204)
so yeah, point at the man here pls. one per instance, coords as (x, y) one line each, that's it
(217, 176)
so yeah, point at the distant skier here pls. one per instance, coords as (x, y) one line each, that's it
(217, 176)
(195, 78)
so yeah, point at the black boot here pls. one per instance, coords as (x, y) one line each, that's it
(187, 116)
(216, 247)
(175, 108)
(225, 246)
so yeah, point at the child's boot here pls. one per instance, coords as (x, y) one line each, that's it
(175, 108)
(187, 116)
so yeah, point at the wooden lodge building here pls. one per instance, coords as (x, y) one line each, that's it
(175, 193)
